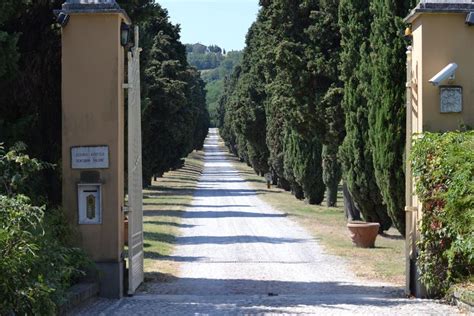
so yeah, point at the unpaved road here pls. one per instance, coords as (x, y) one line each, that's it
(240, 256)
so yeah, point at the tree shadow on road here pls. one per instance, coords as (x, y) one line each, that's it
(168, 224)
(220, 240)
(216, 291)
(211, 214)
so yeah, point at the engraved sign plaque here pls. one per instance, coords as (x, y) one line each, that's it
(451, 99)
(94, 157)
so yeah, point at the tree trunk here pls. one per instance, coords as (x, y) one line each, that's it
(350, 208)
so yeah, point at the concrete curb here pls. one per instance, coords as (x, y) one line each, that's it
(77, 295)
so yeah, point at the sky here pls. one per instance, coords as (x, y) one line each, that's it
(220, 22)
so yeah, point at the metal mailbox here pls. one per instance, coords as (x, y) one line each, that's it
(89, 197)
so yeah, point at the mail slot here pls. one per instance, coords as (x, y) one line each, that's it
(90, 203)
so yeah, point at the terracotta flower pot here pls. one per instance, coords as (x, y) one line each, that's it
(363, 234)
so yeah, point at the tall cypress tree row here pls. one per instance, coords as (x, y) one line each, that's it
(292, 49)
(387, 107)
(295, 88)
(355, 152)
(174, 98)
(201, 118)
(226, 111)
(250, 119)
(269, 33)
(30, 81)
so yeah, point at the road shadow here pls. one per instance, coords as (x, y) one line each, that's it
(220, 240)
(362, 294)
(204, 192)
(157, 256)
(211, 214)
(163, 223)
(188, 205)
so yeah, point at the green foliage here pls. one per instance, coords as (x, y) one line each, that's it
(175, 118)
(35, 267)
(203, 57)
(386, 102)
(17, 170)
(332, 173)
(138, 10)
(30, 81)
(30, 102)
(286, 94)
(303, 164)
(443, 165)
(214, 79)
(8, 41)
(333, 137)
(356, 152)
(20, 291)
(36, 264)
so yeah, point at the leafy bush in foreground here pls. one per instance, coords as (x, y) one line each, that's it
(443, 165)
(36, 265)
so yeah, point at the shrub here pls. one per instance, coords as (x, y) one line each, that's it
(443, 165)
(17, 169)
(36, 264)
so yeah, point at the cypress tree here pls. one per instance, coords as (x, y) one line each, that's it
(30, 81)
(355, 152)
(250, 93)
(225, 111)
(387, 107)
(174, 98)
(324, 52)
(303, 163)
(335, 132)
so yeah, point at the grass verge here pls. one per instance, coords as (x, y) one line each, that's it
(385, 262)
(163, 206)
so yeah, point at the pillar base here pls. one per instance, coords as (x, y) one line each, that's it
(110, 279)
(417, 289)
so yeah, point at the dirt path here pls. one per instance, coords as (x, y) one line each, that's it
(241, 256)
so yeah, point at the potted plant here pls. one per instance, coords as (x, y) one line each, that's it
(363, 234)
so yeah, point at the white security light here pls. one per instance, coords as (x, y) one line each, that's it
(446, 73)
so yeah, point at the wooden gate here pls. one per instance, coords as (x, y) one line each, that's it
(135, 197)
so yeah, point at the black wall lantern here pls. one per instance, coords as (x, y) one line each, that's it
(62, 18)
(124, 34)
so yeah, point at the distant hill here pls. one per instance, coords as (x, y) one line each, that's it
(215, 64)
(204, 57)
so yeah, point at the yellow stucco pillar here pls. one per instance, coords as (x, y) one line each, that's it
(93, 133)
(440, 91)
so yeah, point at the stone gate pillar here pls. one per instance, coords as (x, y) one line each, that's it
(440, 91)
(93, 132)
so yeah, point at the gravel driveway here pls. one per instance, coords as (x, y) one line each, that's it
(240, 256)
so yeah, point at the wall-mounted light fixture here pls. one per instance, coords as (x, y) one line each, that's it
(124, 34)
(62, 19)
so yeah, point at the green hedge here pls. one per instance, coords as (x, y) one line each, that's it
(36, 264)
(443, 165)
